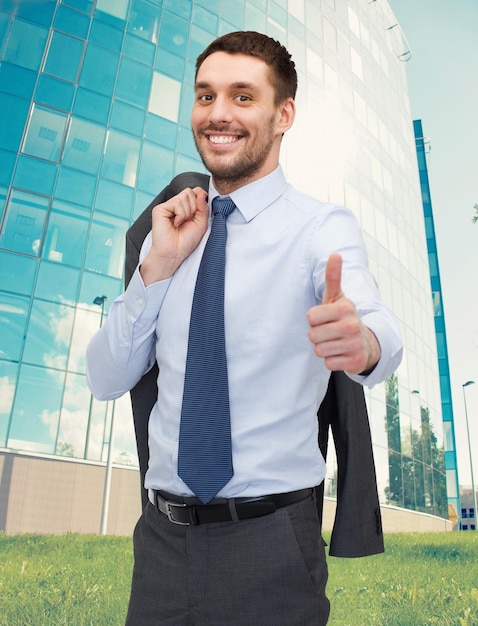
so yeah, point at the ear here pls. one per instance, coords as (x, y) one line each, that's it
(285, 115)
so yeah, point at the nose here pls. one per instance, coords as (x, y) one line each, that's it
(220, 112)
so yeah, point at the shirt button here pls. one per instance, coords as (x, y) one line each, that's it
(140, 301)
(126, 344)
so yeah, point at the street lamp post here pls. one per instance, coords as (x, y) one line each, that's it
(467, 384)
(99, 301)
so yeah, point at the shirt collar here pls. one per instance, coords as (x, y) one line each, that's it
(253, 198)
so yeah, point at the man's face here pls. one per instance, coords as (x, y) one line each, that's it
(235, 120)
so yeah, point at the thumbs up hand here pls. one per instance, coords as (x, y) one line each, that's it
(336, 331)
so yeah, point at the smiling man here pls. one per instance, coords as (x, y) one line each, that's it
(231, 533)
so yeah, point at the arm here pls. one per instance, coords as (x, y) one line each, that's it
(351, 328)
(123, 349)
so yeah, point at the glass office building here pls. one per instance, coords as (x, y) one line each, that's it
(451, 463)
(95, 98)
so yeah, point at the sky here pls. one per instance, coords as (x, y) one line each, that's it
(443, 88)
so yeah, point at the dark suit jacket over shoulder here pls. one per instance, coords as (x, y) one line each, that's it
(357, 527)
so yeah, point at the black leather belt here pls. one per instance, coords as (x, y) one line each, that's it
(234, 509)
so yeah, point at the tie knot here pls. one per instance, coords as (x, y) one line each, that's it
(223, 206)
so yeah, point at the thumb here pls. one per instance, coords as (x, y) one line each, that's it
(202, 207)
(333, 277)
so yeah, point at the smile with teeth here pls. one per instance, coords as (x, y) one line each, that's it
(223, 138)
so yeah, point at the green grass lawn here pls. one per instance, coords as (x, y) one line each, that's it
(79, 580)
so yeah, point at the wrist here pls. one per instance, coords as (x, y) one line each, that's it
(155, 269)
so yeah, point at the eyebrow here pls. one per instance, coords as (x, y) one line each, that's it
(236, 85)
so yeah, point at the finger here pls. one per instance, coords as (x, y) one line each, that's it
(185, 206)
(202, 207)
(333, 277)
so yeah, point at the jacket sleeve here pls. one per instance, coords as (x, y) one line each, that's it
(357, 529)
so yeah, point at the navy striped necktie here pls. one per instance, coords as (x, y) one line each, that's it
(205, 454)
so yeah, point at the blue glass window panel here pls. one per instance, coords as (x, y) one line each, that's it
(134, 81)
(91, 105)
(76, 186)
(105, 254)
(198, 41)
(254, 19)
(113, 10)
(450, 461)
(3, 199)
(13, 319)
(35, 175)
(156, 168)
(225, 27)
(82, 5)
(186, 143)
(17, 80)
(38, 395)
(45, 133)
(160, 130)
(24, 222)
(94, 284)
(278, 14)
(55, 93)
(141, 201)
(233, 12)
(165, 97)
(120, 160)
(212, 5)
(205, 19)
(128, 118)
(8, 383)
(84, 146)
(139, 49)
(169, 64)
(99, 70)
(4, 22)
(66, 233)
(17, 272)
(57, 283)
(40, 12)
(174, 34)
(7, 163)
(144, 20)
(13, 115)
(114, 198)
(74, 417)
(185, 106)
(71, 22)
(187, 164)
(48, 333)
(180, 7)
(64, 56)
(190, 73)
(26, 44)
(106, 35)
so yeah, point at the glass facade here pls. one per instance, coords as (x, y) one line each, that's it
(95, 98)
(451, 464)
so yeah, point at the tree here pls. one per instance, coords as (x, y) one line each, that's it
(474, 219)
(64, 449)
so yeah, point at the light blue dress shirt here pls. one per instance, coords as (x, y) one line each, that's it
(278, 244)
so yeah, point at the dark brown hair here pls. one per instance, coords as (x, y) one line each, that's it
(272, 52)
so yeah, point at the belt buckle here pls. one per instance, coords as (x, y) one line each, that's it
(170, 506)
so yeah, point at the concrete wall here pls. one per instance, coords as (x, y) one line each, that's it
(55, 495)
(42, 494)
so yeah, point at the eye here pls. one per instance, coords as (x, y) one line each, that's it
(205, 97)
(243, 98)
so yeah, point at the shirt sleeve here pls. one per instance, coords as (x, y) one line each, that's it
(339, 231)
(123, 350)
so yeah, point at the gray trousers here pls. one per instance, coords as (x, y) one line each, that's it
(266, 571)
